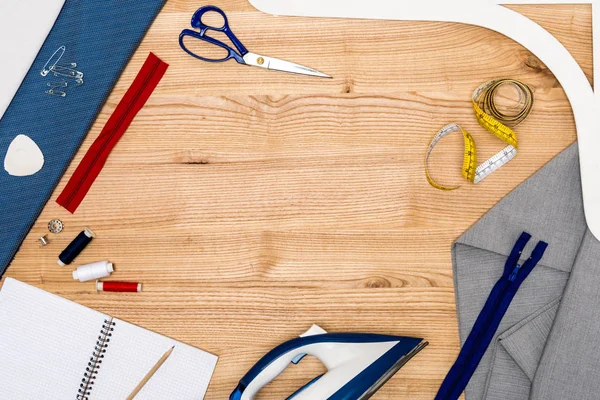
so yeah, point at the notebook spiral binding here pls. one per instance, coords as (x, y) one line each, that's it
(91, 371)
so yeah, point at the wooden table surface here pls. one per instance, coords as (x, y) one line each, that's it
(252, 204)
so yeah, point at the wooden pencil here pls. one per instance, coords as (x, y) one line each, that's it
(150, 374)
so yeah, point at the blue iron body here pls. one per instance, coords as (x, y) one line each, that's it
(358, 365)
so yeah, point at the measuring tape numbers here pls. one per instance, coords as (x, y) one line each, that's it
(494, 121)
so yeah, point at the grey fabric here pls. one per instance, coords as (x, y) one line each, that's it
(509, 382)
(516, 355)
(548, 344)
(525, 341)
(570, 367)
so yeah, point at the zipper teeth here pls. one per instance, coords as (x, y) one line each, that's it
(490, 317)
(112, 133)
(479, 337)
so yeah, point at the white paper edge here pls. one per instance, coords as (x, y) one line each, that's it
(24, 28)
(509, 23)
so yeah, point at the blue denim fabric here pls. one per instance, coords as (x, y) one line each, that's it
(100, 36)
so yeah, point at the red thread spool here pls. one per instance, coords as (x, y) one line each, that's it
(123, 287)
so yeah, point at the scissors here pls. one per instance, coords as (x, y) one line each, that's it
(242, 55)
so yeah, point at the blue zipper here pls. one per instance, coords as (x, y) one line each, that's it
(514, 274)
(489, 319)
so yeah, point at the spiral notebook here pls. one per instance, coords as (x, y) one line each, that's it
(52, 348)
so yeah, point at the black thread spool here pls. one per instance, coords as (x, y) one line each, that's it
(76, 247)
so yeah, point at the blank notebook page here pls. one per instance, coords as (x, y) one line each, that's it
(46, 343)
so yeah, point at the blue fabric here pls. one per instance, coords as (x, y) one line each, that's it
(100, 36)
(489, 319)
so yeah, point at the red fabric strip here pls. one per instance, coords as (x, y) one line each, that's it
(88, 170)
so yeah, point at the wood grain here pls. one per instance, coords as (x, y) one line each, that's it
(254, 204)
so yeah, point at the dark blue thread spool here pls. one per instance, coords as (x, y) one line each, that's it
(76, 247)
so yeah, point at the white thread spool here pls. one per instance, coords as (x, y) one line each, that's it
(93, 271)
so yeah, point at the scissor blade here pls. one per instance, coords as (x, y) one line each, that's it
(286, 66)
(276, 64)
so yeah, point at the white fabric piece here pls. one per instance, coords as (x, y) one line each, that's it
(24, 26)
(24, 157)
(521, 29)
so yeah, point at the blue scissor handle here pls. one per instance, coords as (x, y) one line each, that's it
(197, 23)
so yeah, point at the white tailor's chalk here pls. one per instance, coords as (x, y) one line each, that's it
(24, 157)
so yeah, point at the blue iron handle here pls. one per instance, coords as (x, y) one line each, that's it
(197, 23)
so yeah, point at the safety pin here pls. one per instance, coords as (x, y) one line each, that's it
(57, 85)
(67, 72)
(46, 69)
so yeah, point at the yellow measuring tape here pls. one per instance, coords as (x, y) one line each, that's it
(492, 120)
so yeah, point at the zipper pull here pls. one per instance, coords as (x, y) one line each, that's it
(514, 274)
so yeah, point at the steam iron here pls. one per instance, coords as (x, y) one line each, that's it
(358, 364)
